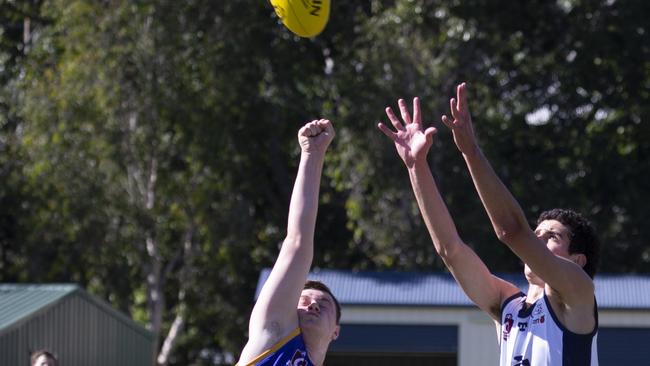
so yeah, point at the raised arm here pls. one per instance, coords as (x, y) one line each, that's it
(507, 217)
(413, 144)
(274, 314)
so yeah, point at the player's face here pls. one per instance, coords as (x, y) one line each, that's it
(317, 313)
(556, 237)
(43, 360)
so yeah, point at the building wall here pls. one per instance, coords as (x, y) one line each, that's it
(80, 333)
(624, 337)
(624, 318)
(477, 340)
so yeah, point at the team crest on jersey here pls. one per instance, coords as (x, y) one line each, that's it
(299, 359)
(507, 326)
(537, 316)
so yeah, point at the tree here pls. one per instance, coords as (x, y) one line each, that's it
(136, 158)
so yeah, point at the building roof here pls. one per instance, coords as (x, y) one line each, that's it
(19, 302)
(390, 288)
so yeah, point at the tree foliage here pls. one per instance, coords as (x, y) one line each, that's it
(147, 148)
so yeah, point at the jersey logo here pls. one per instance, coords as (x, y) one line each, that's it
(521, 361)
(522, 326)
(538, 315)
(299, 359)
(507, 326)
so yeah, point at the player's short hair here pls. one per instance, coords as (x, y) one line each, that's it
(583, 238)
(50, 357)
(317, 285)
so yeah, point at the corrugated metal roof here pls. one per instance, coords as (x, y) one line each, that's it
(440, 289)
(623, 291)
(19, 301)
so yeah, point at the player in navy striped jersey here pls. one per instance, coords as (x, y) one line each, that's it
(293, 322)
(555, 322)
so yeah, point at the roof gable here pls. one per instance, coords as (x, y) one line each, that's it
(19, 301)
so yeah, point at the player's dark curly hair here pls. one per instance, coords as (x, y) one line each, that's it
(583, 236)
(317, 285)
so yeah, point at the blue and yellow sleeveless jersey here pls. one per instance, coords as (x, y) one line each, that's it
(289, 351)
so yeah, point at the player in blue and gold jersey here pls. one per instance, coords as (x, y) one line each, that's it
(293, 321)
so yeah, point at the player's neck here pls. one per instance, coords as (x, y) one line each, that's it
(535, 292)
(316, 349)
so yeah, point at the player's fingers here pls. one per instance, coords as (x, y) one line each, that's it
(446, 121)
(417, 116)
(304, 130)
(453, 106)
(393, 119)
(429, 132)
(308, 129)
(326, 125)
(462, 96)
(322, 124)
(387, 131)
(328, 128)
(314, 128)
(406, 116)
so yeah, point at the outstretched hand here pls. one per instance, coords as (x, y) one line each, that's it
(411, 142)
(461, 126)
(315, 136)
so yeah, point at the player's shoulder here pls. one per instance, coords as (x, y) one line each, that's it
(508, 293)
(512, 299)
(266, 342)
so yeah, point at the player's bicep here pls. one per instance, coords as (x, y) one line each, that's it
(275, 308)
(564, 276)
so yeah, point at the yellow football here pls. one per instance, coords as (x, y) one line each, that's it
(306, 18)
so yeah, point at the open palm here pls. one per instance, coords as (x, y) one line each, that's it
(461, 126)
(412, 143)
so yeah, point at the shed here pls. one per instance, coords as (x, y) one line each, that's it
(79, 328)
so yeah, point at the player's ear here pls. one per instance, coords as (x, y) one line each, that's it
(336, 333)
(579, 259)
